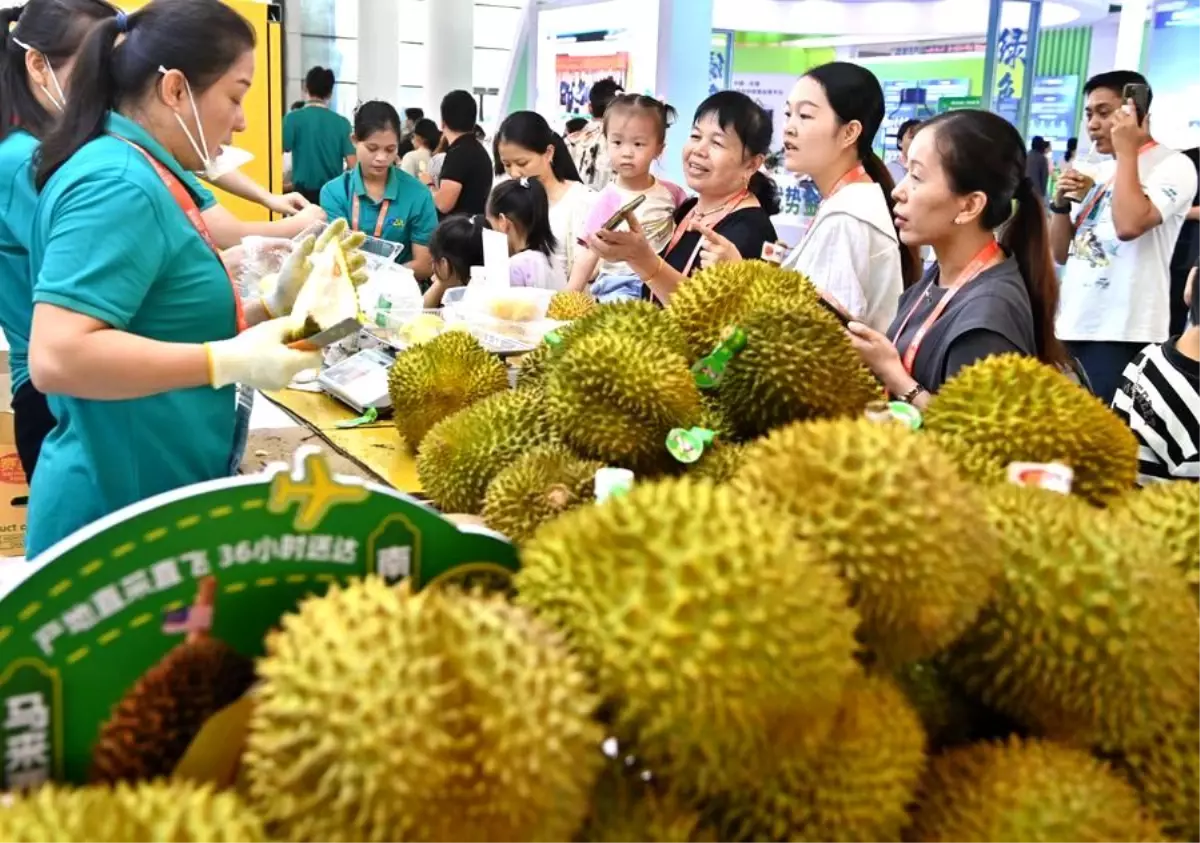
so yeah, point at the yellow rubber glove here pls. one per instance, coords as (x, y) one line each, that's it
(258, 358)
(351, 243)
(279, 300)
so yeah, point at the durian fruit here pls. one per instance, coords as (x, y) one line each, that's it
(797, 365)
(461, 454)
(950, 716)
(440, 715)
(719, 462)
(532, 366)
(856, 785)
(724, 295)
(569, 305)
(700, 620)
(629, 806)
(1166, 771)
(1090, 639)
(539, 486)
(862, 494)
(438, 378)
(1009, 409)
(1030, 790)
(615, 398)
(1172, 512)
(167, 811)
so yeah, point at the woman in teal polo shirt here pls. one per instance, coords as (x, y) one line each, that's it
(380, 199)
(137, 327)
(38, 43)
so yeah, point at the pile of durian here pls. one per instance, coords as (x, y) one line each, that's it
(827, 628)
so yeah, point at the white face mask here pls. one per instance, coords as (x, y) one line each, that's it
(60, 101)
(228, 159)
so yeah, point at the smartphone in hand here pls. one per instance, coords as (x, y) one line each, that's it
(619, 217)
(1140, 94)
(835, 310)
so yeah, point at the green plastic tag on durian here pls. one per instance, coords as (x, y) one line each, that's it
(553, 338)
(369, 417)
(709, 371)
(687, 446)
(891, 412)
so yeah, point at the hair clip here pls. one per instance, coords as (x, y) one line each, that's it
(524, 181)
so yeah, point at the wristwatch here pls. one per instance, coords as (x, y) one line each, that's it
(912, 394)
(1063, 209)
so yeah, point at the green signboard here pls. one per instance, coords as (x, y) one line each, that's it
(957, 103)
(102, 608)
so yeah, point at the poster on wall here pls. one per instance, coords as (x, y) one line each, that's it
(1052, 109)
(770, 90)
(575, 76)
(720, 61)
(1173, 68)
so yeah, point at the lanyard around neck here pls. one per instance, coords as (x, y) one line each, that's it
(720, 213)
(356, 209)
(857, 175)
(1103, 191)
(989, 256)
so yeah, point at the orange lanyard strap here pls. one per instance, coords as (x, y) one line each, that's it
(686, 224)
(188, 205)
(856, 176)
(355, 209)
(989, 256)
(1100, 194)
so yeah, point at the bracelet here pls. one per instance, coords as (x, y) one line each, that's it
(658, 267)
(912, 394)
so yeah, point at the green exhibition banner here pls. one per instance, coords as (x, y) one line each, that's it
(958, 103)
(101, 608)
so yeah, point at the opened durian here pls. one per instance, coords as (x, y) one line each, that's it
(700, 620)
(436, 379)
(568, 305)
(388, 715)
(797, 365)
(615, 398)
(1009, 409)
(1090, 639)
(1029, 791)
(537, 487)
(171, 812)
(855, 785)
(862, 494)
(461, 454)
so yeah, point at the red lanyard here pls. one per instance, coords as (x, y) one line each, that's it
(188, 205)
(1099, 194)
(856, 176)
(988, 256)
(685, 225)
(383, 210)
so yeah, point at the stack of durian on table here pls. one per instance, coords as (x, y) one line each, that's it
(826, 628)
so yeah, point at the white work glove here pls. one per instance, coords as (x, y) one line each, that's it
(279, 300)
(351, 243)
(258, 358)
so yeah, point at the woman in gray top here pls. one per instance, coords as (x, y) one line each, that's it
(984, 297)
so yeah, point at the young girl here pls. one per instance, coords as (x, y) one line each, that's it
(456, 246)
(636, 132)
(527, 146)
(520, 209)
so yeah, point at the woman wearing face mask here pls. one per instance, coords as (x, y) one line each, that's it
(526, 147)
(851, 251)
(136, 323)
(984, 297)
(37, 57)
(730, 137)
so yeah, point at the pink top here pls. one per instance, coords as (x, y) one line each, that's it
(656, 216)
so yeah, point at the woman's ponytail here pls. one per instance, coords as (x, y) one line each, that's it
(92, 97)
(1027, 238)
(764, 189)
(563, 165)
(910, 258)
(14, 87)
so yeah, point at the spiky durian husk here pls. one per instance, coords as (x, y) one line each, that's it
(171, 812)
(461, 455)
(569, 305)
(1166, 771)
(388, 715)
(615, 398)
(719, 463)
(438, 378)
(1090, 639)
(629, 809)
(1171, 511)
(854, 785)
(950, 717)
(1014, 409)
(538, 487)
(724, 295)
(1029, 790)
(862, 493)
(797, 365)
(154, 723)
(687, 604)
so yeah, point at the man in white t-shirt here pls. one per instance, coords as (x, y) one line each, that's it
(1117, 243)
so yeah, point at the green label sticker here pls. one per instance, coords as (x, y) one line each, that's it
(552, 338)
(687, 446)
(709, 371)
(369, 417)
(101, 608)
(906, 414)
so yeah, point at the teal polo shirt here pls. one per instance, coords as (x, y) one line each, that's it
(110, 242)
(319, 140)
(18, 201)
(411, 214)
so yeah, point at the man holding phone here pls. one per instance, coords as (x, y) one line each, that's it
(1115, 232)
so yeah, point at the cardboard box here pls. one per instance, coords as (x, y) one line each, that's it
(14, 488)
